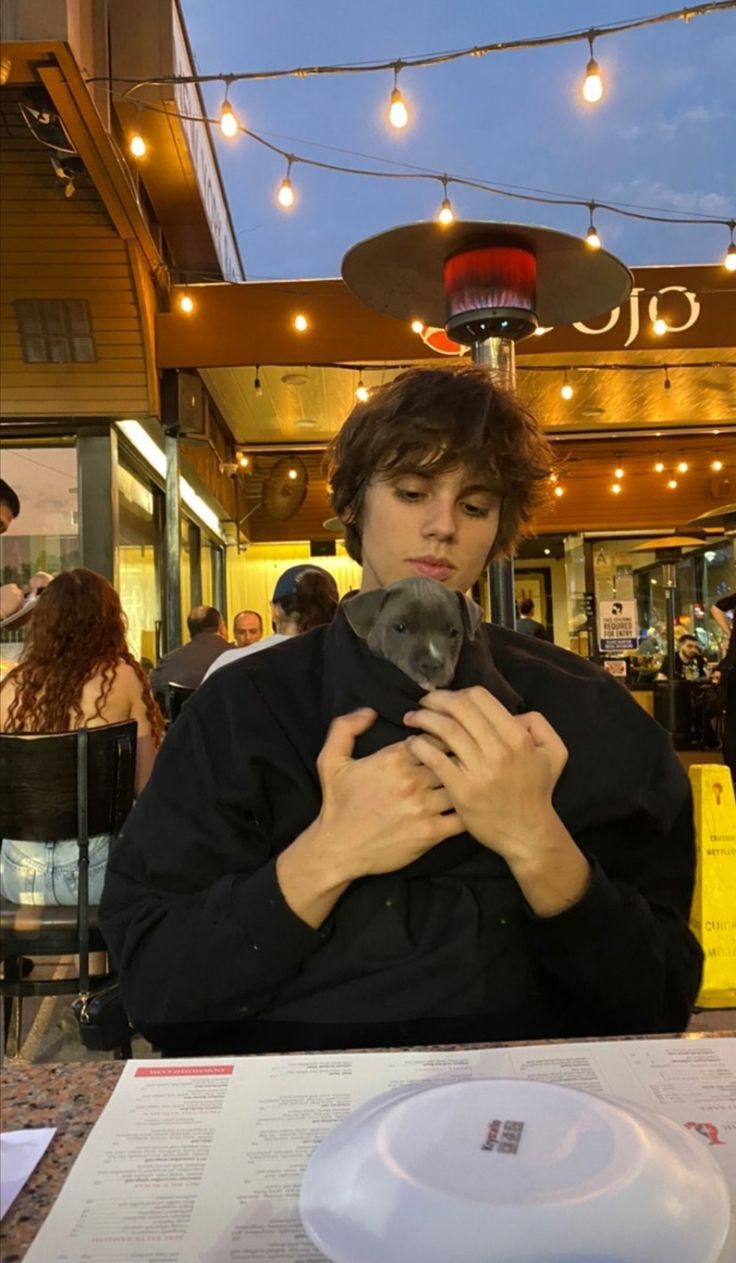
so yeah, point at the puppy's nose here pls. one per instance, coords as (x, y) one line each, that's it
(436, 673)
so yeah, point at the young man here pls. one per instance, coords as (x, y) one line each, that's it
(308, 870)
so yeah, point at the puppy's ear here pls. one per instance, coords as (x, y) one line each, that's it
(472, 615)
(362, 611)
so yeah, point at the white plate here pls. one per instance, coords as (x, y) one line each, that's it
(512, 1171)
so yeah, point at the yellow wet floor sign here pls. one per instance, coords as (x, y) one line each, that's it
(713, 915)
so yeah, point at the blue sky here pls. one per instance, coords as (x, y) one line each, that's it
(662, 135)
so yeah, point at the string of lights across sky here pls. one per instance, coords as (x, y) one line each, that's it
(398, 117)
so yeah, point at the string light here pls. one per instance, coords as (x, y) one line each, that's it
(659, 465)
(659, 326)
(398, 115)
(361, 390)
(257, 387)
(567, 391)
(592, 84)
(729, 259)
(667, 382)
(559, 491)
(293, 474)
(228, 122)
(446, 214)
(137, 146)
(286, 195)
(301, 324)
(616, 488)
(244, 461)
(619, 471)
(682, 465)
(671, 484)
(591, 237)
(716, 465)
(186, 304)
(417, 326)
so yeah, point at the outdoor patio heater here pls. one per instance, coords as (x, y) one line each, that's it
(488, 285)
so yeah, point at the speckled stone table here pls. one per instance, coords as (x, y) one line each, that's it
(68, 1097)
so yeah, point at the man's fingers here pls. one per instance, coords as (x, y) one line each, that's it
(341, 737)
(544, 735)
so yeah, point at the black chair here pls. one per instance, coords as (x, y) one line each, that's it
(171, 697)
(55, 787)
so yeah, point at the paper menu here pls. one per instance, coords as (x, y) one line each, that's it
(200, 1161)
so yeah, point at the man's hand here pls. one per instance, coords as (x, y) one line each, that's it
(378, 814)
(500, 780)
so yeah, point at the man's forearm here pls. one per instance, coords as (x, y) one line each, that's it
(551, 871)
(308, 881)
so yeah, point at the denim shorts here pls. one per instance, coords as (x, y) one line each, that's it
(46, 872)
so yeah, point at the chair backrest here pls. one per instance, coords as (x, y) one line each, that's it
(38, 774)
(171, 697)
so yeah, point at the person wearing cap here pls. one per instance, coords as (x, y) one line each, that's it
(307, 870)
(304, 597)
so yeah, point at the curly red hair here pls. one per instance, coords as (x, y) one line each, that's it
(78, 629)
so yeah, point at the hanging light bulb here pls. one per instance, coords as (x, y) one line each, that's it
(257, 387)
(592, 84)
(137, 146)
(659, 465)
(567, 391)
(293, 474)
(446, 215)
(671, 484)
(729, 259)
(619, 471)
(398, 115)
(417, 326)
(592, 240)
(301, 324)
(243, 461)
(667, 382)
(660, 326)
(228, 122)
(186, 304)
(361, 391)
(286, 195)
(559, 491)
(616, 488)
(682, 465)
(716, 465)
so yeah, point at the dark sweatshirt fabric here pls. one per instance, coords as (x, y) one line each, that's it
(212, 959)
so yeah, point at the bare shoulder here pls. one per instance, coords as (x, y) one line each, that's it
(7, 693)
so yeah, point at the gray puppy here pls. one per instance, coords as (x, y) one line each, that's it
(418, 624)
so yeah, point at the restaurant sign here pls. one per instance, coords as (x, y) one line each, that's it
(617, 625)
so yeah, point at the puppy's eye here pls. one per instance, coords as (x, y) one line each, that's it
(399, 627)
(454, 633)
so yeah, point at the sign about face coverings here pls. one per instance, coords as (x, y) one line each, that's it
(617, 625)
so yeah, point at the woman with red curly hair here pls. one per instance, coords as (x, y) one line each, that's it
(76, 671)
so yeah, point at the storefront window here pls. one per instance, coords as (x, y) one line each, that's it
(45, 535)
(207, 563)
(138, 584)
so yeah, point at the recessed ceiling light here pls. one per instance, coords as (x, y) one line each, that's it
(295, 379)
(593, 412)
(305, 424)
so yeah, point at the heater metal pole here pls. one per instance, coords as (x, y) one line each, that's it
(498, 357)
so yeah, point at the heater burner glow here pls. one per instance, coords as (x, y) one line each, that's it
(490, 291)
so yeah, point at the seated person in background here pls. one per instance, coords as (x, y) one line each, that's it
(328, 857)
(527, 624)
(75, 672)
(187, 664)
(305, 596)
(247, 628)
(11, 596)
(689, 661)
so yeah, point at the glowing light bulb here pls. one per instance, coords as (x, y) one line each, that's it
(592, 239)
(567, 391)
(293, 475)
(554, 478)
(301, 324)
(446, 213)
(619, 472)
(137, 146)
(729, 259)
(660, 327)
(398, 115)
(559, 491)
(257, 387)
(286, 195)
(716, 465)
(682, 466)
(659, 467)
(228, 121)
(186, 304)
(417, 326)
(592, 84)
(361, 392)
(672, 484)
(244, 461)
(616, 488)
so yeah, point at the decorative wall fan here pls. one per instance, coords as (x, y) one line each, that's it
(284, 488)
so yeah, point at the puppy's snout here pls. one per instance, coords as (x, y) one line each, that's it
(436, 674)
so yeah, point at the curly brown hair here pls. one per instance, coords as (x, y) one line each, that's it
(436, 420)
(78, 629)
(315, 601)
